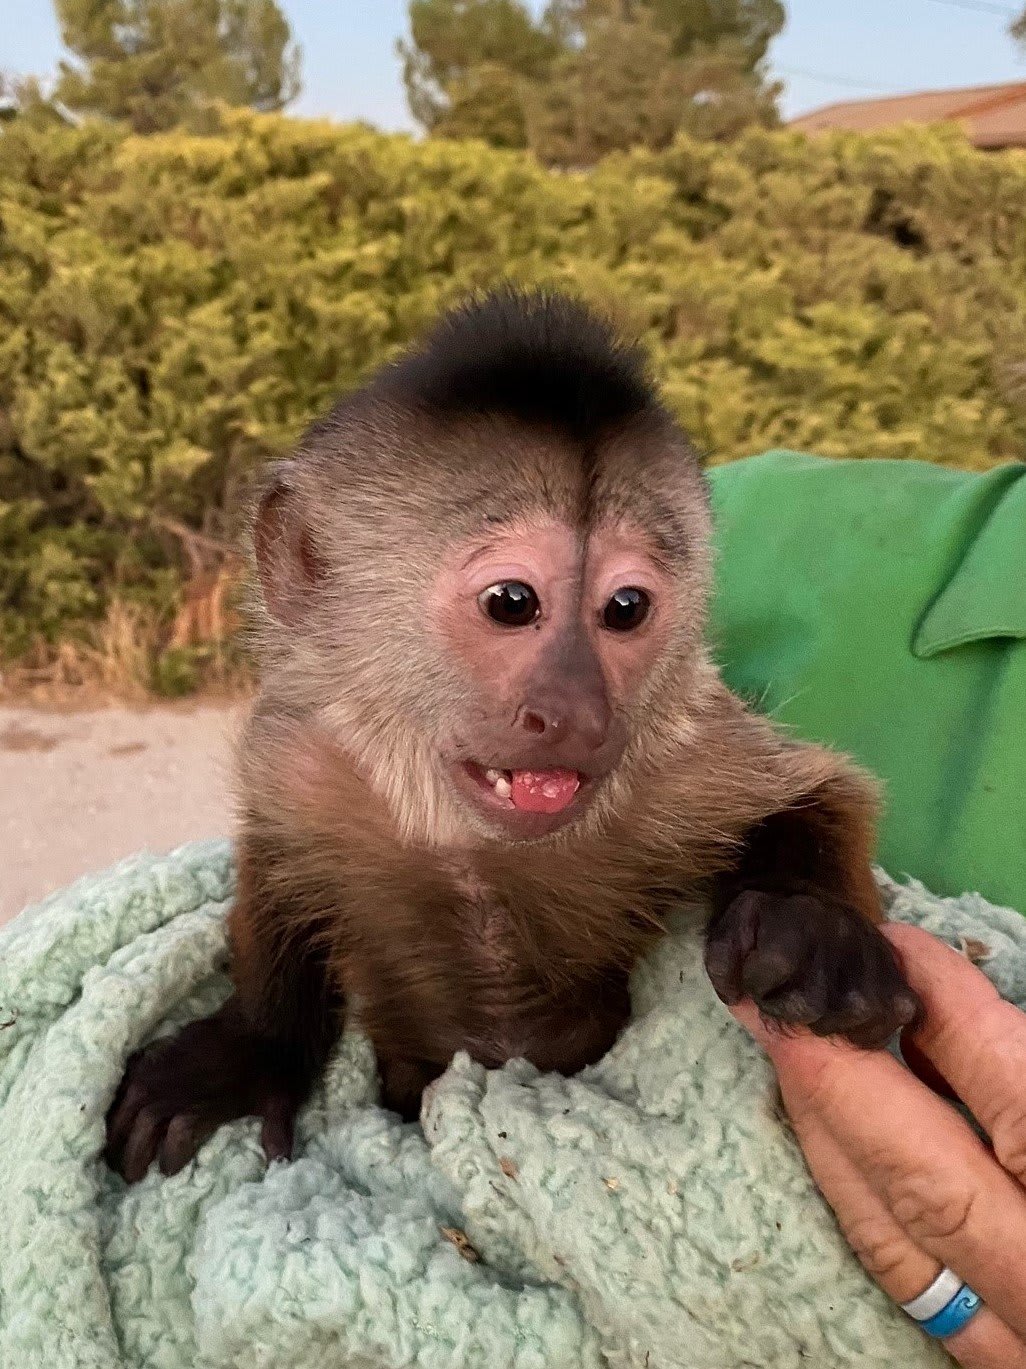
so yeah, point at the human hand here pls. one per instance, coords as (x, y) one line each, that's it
(913, 1188)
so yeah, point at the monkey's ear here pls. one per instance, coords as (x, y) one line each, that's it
(286, 559)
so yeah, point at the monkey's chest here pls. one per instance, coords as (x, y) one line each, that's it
(493, 951)
(497, 995)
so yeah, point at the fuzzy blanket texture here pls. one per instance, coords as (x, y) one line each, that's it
(652, 1212)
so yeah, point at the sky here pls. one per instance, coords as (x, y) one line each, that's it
(831, 50)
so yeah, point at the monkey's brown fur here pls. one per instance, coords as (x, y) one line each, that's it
(365, 882)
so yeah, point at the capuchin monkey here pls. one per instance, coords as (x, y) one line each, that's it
(490, 752)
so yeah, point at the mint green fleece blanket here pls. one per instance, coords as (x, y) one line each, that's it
(654, 1211)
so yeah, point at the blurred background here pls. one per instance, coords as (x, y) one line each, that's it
(217, 215)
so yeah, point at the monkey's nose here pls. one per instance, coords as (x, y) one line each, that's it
(531, 720)
(583, 720)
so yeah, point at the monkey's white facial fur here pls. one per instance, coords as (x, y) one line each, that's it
(558, 633)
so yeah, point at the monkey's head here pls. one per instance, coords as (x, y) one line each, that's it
(485, 575)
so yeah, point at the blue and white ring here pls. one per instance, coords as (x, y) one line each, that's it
(935, 1298)
(945, 1307)
(957, 1315)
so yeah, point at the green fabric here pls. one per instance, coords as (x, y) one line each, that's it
(880, 606)
(652, 1213)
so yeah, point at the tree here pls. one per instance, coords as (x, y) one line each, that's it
(748, 26)
(465, 63)
(23, 97)
(153, 63)
(621, 87)
(486, 102)
(621, 82)
(1019, 29)
(590, 76)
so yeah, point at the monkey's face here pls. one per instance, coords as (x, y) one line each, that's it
(556, 633)
(485, 579)
(504, 646)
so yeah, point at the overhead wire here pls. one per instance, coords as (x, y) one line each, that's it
(833, 78)
(853, 83)
(981, 7)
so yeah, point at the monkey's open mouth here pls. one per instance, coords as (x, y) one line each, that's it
(528, 791)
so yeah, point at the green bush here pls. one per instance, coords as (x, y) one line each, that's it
(174, 309)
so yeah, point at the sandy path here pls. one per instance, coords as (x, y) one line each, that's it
(80, 790)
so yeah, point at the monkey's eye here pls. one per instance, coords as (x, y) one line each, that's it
(627, 610)
(512, 604)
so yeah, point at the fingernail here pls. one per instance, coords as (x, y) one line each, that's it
(747, 1014)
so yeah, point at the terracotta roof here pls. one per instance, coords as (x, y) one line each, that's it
(993, 116)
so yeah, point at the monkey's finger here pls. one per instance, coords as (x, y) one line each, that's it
(128, 1103)
(729, 942)
(890, 1257)
(800, 999)
(786, 953)
(182, 1140)
(797, 991)
(869, 999)
(141, 1146)
(124, 1084)
(277, 1135)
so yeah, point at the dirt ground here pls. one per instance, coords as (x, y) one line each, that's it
(80, 790)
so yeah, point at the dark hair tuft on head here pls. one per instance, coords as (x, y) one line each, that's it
(541, 358)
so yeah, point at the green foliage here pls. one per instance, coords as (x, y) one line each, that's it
(177, 672)
(1019, 28)
(174, 309)
(624, 87)
(751, 24)
(488, 102)
(459, 52)
(690, 24)
(621, 87)
(156, 63)
(590, 76)
(24, 98)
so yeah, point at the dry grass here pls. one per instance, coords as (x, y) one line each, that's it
(134, 655)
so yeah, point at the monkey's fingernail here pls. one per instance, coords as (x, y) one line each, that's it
(277, 1134)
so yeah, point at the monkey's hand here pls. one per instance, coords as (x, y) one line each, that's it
(178, 1091)
(809, 960)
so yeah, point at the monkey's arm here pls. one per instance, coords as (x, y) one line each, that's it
(795, 921)
(259, 1055)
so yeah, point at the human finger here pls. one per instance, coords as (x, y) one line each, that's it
(973, 1037)
(891, 1257)
(921, 1159)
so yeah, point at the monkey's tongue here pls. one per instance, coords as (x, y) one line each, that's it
(544, 791)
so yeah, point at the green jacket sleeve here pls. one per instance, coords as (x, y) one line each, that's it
(880, 606)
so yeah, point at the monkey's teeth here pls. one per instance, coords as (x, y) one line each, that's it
(501, 782)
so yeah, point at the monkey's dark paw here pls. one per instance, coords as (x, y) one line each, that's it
(178, 1091)
(807, 960)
